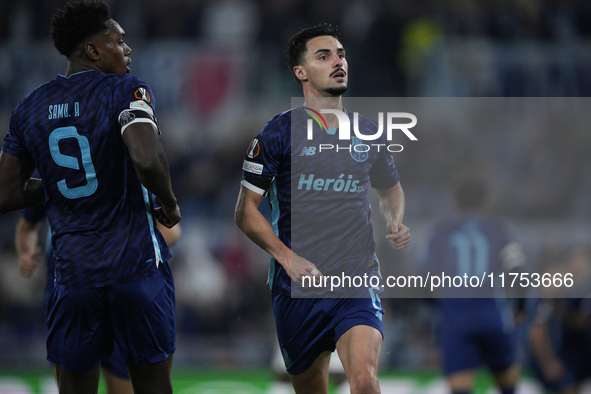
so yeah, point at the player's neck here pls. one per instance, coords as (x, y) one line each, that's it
(80, 61)
(76, 65)
(318, 103)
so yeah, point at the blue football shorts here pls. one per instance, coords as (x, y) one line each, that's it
(470, 346)
(307, 327)
(84, 324)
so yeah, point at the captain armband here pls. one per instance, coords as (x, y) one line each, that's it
(257, 185)
(130, 116)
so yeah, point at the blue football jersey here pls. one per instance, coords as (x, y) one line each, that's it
(103, 229)
(470, 246)
(319, 198)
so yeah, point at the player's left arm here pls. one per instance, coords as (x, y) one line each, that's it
(151, 165)
(141, 135)
(392, 206)
(17, 189)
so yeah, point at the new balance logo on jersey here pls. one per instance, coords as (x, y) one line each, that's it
(308, 151)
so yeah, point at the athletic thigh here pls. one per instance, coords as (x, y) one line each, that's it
(359, 349)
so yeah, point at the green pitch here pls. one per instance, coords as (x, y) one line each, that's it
(241, 381)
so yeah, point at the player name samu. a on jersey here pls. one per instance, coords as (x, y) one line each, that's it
(61, 111)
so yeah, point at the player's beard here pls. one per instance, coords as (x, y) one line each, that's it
(336, 91)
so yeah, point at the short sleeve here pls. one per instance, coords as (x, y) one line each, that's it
(264, 157)
(383, 173)
(13, 143)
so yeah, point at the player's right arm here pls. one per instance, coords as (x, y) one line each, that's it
(26, 240)
(17, 189)
(256, 227)
(263, 164)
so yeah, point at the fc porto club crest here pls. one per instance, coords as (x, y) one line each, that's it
(358, 150)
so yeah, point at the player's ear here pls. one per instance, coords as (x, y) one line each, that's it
(300, 73)
(91, 51)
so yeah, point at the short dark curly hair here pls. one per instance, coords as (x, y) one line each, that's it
(77, 21)
(296, 47)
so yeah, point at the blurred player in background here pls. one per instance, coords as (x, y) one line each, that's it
(558, 344)
(28, 250)
(559, 332)
(92, 136)
(475, 331)
(308, 328)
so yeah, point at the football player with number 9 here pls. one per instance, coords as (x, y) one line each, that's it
(93, 137)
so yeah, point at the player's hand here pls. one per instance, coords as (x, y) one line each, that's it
(552, 369)
(168, 216)
(398, 235)
(27, 262)
(300, 267)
